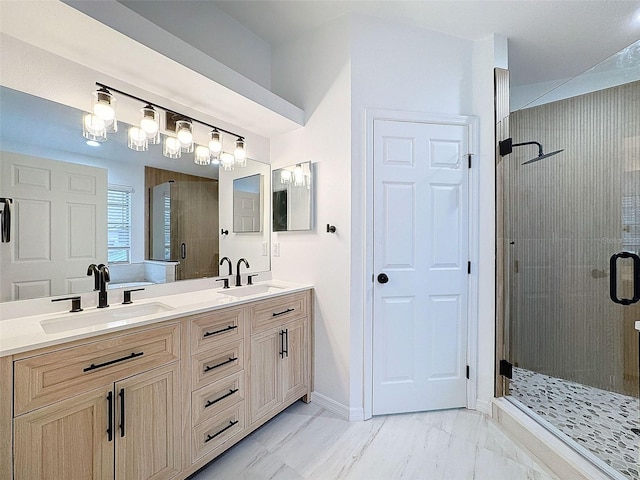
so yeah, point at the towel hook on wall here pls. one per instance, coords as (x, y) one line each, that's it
(331, 228)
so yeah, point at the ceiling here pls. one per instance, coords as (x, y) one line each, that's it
(548, 40)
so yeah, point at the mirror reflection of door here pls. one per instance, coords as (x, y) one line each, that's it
(247, 204)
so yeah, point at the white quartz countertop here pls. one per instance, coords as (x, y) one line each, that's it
(26, 333)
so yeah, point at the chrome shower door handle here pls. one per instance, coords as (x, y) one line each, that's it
(613, 278)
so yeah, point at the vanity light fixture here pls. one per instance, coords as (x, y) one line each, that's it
(102, 120)
(94, 128)
(285, 176)
(103, 105)
(202, 156)
(298, 176)
(137, 139)
(171, 147)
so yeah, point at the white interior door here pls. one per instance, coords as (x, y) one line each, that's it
(421, 245)
(246, 212)
(59, 226)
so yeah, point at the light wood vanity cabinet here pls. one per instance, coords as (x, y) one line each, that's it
(156, 402)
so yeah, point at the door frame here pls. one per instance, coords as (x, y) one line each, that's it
(474, 234)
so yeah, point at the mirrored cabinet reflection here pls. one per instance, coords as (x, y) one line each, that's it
(292, 198)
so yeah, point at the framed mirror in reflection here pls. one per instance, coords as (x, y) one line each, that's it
(292, 198)
(74, 205)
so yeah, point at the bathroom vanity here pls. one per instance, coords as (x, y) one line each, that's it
(156, 389)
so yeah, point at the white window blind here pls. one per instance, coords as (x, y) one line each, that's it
(119, 224)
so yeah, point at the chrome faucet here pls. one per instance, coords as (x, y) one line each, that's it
(238, 278)
(104, 279)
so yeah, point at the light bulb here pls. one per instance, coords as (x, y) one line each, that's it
(104, 105)
(240, 153)
(184, 134)
(149, 122)
(215, 144)
(202, 155)
(172, 148)
(94, 128)
(226, 161)
(138, 139)
(285, 176)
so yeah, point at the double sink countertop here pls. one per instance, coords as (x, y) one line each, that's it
(26, 333)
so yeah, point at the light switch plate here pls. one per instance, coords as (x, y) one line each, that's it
(276, 249)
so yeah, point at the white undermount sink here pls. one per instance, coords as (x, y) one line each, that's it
(117, 314)
(251, 290)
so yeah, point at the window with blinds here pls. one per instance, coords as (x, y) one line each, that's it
(119, 224)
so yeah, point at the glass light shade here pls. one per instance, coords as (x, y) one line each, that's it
(172, 148)
(240, 153)
(94, 128)
(104, 105)
(285, 176)
(215, 144)
(202, 156)
(137, 139)
(226, 161)
(215, 159)
(184, 133)
(150, 121)
(298, 176)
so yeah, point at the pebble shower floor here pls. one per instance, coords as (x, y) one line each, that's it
(599, 420)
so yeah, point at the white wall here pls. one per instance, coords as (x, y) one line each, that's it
(336, 73)
(314, 72)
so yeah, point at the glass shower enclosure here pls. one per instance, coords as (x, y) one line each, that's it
(571, 266)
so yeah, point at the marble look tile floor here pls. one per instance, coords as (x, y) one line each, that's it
(599, 420)
(307, 442)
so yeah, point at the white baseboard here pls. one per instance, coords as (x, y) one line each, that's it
(483, 406)
(337, 408)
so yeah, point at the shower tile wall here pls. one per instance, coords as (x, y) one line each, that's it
(564, 220)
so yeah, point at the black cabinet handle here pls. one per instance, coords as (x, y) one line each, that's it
(110, 420)
(213, 402)
(208, 334)
(206, 369)
(613, 278)
(281, 343)
(286, 343)
(183, 251)
(122, 412)
(93, 366)
(276, 314)
(211, 437)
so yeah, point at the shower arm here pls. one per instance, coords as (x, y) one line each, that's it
(530, 143)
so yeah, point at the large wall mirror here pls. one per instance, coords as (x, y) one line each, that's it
(74, 204)
(292, 198)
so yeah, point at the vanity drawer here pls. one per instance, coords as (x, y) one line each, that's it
(213, 329)
(212, 399)
(214, 365)
(217, 430)
(47, 378)
(271, 313)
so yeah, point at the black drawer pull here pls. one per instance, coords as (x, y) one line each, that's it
(276, 314)
(121, 394)
(206, 369)
(213, 402)
(117, 360)
(110, 419)
(208, 334)
(211, 437)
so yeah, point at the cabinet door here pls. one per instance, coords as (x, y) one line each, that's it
(67, 439)
(294, 365)
(265, 394)
(148, 441)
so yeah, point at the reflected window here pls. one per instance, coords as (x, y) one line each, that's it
(119, 224)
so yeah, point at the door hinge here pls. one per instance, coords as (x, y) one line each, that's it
(469, 268)
(467, 372)
(469, 159)
(506, 369)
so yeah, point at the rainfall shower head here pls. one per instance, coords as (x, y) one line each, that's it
(506, 147)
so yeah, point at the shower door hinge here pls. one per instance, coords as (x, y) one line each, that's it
(469, 159)
(506, 369)
(467, 372)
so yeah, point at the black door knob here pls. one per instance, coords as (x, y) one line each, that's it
(383, 278)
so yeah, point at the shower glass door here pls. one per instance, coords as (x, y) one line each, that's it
(572, 275)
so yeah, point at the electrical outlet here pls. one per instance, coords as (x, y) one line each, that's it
(276, 249)
(265, 249)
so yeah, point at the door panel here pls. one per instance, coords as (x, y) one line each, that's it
(421, 244)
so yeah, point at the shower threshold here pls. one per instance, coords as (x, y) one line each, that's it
(596, 423)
